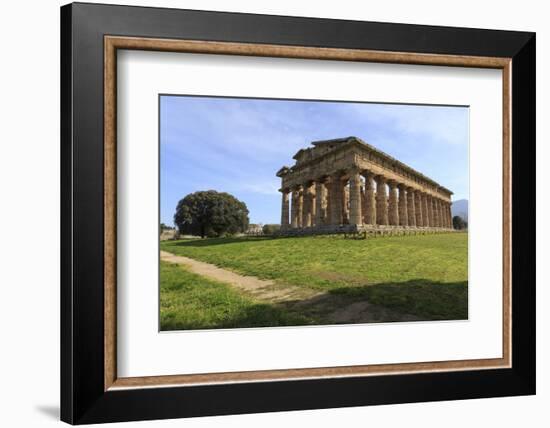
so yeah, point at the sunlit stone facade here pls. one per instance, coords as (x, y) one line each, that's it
(345, 184)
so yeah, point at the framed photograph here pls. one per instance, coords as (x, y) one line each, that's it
(266, 213)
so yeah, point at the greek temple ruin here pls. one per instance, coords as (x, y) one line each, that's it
(346, 185)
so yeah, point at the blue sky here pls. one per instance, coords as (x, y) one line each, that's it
(237, 145)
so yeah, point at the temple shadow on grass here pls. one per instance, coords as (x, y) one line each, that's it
(255, 315)
(414, 300)
(426, 299)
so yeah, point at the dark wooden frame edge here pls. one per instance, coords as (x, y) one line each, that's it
(83, 399)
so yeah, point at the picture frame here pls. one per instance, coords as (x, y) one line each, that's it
(91, 391)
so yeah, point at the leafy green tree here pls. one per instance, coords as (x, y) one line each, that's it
(270, 229)
(210, 213)
(459, 223)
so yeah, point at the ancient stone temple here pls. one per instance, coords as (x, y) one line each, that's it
(347, 185)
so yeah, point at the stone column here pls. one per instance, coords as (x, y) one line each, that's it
(363, 202)
(355, 212)
(345, 203)
(300, 206)
(306, 205)
(312, 205)
(430, 210)
(381, 201)
(403, 211)
(450, 215)
(336, 190)
(424, 205)
(370, 201)
(411, 207)
(319, 195)
(293, 210)
(327, 201)
(425, 214)
(436, 212)
(284, 209)
(393, 209)
(418, 209)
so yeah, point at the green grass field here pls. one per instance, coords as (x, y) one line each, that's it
(189, 301)
(425, 276)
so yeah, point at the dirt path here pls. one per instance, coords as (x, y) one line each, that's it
(336, 308)
(259, 288)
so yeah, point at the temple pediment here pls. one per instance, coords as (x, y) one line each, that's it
(320, 148)
(283, 171)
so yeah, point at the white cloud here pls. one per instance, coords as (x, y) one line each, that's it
(262, 188)
(443, 125)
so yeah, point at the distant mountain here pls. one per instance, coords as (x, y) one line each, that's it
(460, 208)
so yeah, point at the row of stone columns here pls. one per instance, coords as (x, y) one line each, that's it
(329, 201)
